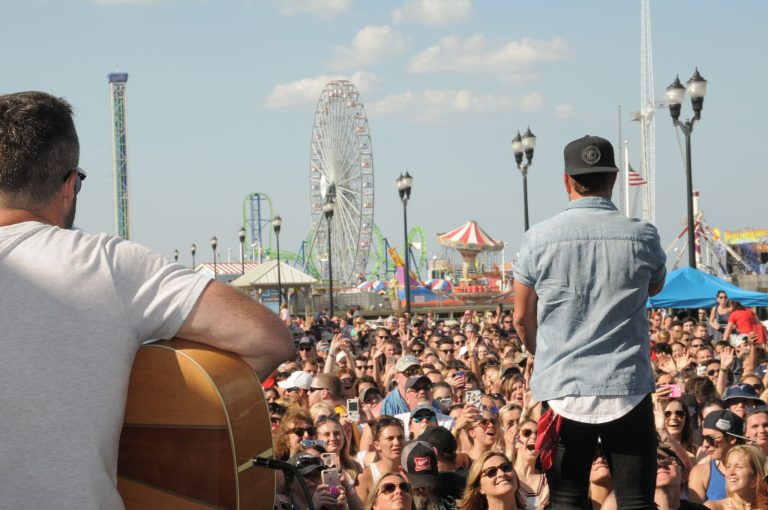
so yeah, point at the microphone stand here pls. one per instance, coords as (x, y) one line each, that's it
(284, 466)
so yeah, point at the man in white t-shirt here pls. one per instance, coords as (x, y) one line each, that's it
(75, 308)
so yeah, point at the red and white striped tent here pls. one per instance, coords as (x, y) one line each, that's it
(469, 238)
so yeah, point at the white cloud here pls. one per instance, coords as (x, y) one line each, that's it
(320, 8)
(433, 12)
(510, 61)
(563, 111)
(435, 104)
(306, 91)
(370, 45)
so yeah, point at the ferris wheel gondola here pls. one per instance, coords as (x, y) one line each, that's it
(341, 169)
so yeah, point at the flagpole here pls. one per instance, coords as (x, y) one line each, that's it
(626, 177)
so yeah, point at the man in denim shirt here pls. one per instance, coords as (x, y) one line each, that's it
(582, 281)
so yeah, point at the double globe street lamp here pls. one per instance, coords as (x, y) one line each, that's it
(404, 184)
(523, 145)
(697, 89)
(277, 222)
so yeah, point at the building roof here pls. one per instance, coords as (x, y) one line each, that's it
(265, 275)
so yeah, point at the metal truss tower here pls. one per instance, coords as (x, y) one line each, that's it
(647, 114)
(117, 83)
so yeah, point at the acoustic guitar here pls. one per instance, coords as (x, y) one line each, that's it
(194, 419)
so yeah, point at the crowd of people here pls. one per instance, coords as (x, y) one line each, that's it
(445, 418)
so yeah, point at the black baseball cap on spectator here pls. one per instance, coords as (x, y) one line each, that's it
(589, 155)
(440, 438)
(726, 422)
(306, 463)
(307, 340)
(419, 461)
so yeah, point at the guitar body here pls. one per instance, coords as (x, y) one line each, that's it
(195, 417)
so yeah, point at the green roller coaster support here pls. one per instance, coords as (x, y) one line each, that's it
(380, 256)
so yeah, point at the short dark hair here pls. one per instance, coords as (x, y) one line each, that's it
(38, 146)
(593, 183)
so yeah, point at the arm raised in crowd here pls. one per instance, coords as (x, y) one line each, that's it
(225, 318)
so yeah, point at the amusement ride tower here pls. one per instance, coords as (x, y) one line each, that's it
(117, 83)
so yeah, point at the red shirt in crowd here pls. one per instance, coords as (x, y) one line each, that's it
(746, 322)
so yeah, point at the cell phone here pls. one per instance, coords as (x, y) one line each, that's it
(353, 409)
(701, 370)
(675, 391)
(391, 360)
(330, 477)
(330, 460)
(473, 397)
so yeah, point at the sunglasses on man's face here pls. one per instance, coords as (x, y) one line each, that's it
(492, 471)
(431, 418)
(305, 348)
(446, 351)
(389, 488)
(364, 367)
(417, 352)
(714, 441)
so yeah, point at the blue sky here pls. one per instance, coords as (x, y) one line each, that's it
(221, 100)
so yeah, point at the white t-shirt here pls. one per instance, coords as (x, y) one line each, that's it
(594, 409)
(74, 309)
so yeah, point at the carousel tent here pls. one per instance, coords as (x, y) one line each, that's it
(691, 288)
(265, 277)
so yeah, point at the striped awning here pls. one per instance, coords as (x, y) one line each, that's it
(469, 236)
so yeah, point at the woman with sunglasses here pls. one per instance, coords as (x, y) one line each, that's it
(675, 429)
(482, 431)
(744, 480)
(492, 483)
(532, 481)
(295, 427)
(718, 316)
(391, 492)
(388, 441)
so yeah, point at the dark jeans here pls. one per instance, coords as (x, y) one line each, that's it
(629, 444)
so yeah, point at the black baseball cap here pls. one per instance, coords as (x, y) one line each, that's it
(589, 155)
(419, 461)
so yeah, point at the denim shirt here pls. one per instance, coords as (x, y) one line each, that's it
(591, 267)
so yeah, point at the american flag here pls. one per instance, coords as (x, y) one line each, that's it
(635, 179)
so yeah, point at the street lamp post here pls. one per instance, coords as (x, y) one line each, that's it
(175, 255)
(328, 209)
(277, 222)
(697, 88)
(404, 184)
(241, 236)
(193, 250)
(214, 245)
(523, 145)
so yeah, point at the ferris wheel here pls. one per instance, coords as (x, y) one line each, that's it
(341, 170)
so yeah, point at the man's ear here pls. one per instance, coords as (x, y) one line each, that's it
(567, 182)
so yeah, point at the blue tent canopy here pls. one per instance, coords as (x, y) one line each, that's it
(691, 288)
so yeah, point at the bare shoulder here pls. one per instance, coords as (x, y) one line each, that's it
(719, 504)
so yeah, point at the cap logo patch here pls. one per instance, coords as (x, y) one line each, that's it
(422, 464)
(590, 155)
(723, 425)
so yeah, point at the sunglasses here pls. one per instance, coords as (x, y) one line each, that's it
(527, 432)
(665, 460)
(81, 175)
(679, 413)
(431, 418)
(312, 390)
(447, 351)
(712, 440)
(364, 367)
(323, 419)
(417, 352)
(389, 488)
(712, 372)
(410, 372)
(305, 460)
(300, 431)
(460, 343)
(347, 381)
(492, 471)
(305, 348)
(484, 422)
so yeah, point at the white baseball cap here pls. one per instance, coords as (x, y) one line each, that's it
(297, 379)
